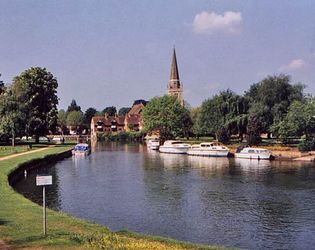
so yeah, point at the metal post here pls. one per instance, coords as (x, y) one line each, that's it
(44, 210)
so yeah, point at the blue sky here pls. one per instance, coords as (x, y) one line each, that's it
(112, 52)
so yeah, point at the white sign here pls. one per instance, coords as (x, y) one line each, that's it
(43, 180)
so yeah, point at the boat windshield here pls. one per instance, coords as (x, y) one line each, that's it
(80, 147)
(177, 142)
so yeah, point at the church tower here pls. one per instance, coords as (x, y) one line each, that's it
(174, 87)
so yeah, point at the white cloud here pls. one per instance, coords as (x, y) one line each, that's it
(229, 22)
(295, 64)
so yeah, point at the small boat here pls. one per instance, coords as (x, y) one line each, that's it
(81, 149)
(174, 147)
(208, 149)
(153, 143)
(253, 153)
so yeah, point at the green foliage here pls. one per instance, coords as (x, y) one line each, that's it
(166, 115)
(254, 128)
(62, 121)
(73, 107)
(110, 111)
(123, 111)
(36, 91)
(223, 135)
(89, 113)
(274, 95)
(227, 111)
(11, 118)
(300, 120)
(75, 119)
(307, 145)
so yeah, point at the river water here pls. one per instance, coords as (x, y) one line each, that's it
(218, 201)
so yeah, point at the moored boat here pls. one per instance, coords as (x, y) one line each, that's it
(81, 149)
(253, 153)
(153, 143)
(208, 149)
(174, 147)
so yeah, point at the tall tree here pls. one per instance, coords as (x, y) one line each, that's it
(89, 113)
(110, 111)
(166, 115)
(75, 119)
(73, 107)
(223, 114)
(299, 121)
(274, 94)
(11, 118)
(62, 121)
(36, 90)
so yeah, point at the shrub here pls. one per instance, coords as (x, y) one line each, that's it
(307, 145)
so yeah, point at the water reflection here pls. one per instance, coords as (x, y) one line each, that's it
(224, 201)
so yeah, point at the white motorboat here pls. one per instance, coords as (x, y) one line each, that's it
(153, 143)
(81, 149)
(174, 147)
(253, 153)
(208, 149)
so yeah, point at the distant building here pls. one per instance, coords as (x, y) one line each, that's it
(132, 121)
(174, 87)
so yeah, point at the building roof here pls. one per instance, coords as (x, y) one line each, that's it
(174, 77)
(136, 109)
(133, 119)
(107, 121)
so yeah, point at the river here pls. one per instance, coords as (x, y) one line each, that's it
(218, 201)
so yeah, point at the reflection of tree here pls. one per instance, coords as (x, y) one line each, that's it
(28, 188)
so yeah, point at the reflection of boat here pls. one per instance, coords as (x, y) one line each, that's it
(81, 149)
(154, 143)
(174, 147)
(208, 149)
(208, 162)
(246, 165)
(254, 153)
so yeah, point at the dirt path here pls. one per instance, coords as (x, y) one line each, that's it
(3, 246)
(24, 153)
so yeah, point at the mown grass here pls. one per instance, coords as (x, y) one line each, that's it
(21, 221)
(9, 150)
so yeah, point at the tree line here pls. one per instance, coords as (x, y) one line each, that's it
(28, 107)
(274, 107)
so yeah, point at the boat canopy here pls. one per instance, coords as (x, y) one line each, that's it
(81, 147)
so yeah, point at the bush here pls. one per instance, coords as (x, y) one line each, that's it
(307, 145)
(223, 136)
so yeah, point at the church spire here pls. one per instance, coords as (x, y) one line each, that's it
(174, 87)
(174, 69)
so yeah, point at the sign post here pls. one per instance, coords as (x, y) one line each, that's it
(44, 180)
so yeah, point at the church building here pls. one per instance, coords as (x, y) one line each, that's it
(174, 87)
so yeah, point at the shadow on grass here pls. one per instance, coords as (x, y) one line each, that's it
(50, 239)
(3, 222)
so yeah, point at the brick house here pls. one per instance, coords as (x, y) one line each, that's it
(115, 124)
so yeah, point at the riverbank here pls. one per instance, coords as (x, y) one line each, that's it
(279, 152)
(21, 227)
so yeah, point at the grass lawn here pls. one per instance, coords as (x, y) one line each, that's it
(21, 221)
(20, 148)
(9, 150)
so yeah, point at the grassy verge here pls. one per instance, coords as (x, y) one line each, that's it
(21, 221)
(9, 150)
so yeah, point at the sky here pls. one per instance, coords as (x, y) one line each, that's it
(113, 52)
